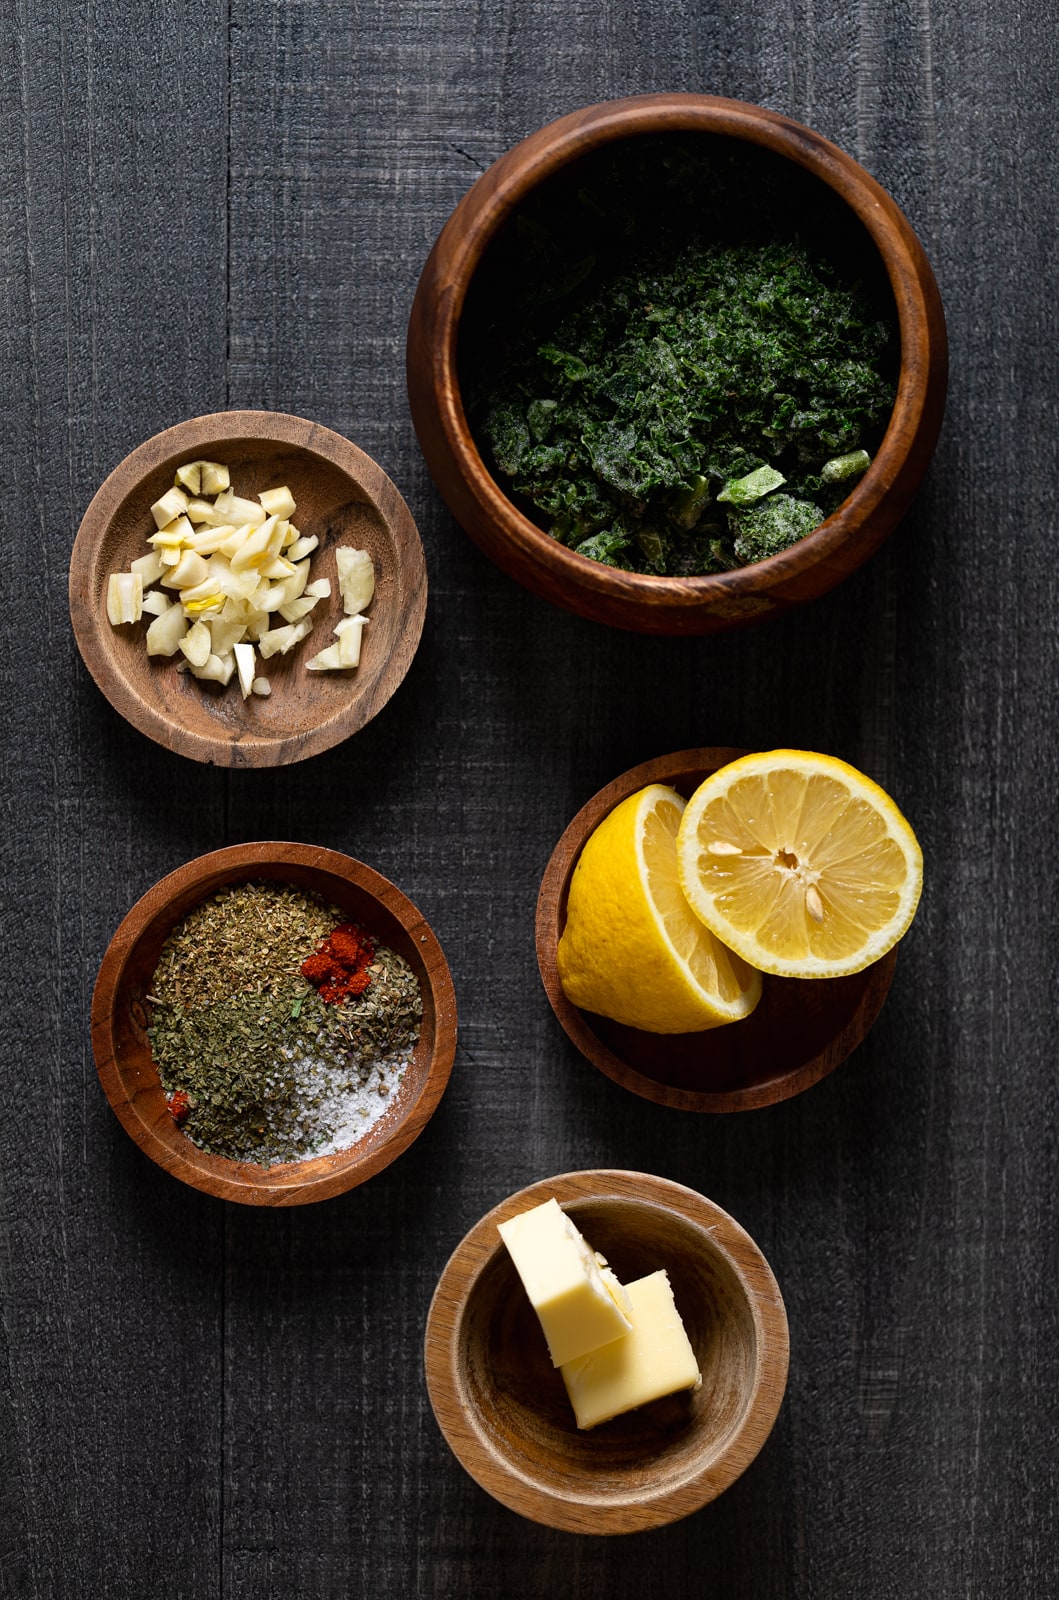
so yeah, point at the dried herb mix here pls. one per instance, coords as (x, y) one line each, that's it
(256, 1065)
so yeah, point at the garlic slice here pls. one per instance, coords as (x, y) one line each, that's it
(124, 597)
(278, 502)
(356, 578)
(244, 665)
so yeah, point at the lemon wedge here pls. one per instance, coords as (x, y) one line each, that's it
(632, 949)
(800, 863)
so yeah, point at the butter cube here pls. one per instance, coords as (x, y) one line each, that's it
(560, 1274)
(655, 1359)
(618, 1292)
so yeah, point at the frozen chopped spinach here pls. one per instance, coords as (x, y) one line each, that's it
(639, 413)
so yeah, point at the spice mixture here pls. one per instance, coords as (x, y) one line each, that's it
(280, 1031)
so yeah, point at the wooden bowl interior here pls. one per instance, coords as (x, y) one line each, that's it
(799, 1031)
(130, 1077)
(517, 1397)
(481, 291)
(305, 711)
(503, 1407)
(765, 197)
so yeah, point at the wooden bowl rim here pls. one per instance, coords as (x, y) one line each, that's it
(227, 428)
(291, 1183)
(574, 1021)
(490, 201)
(502, 1477)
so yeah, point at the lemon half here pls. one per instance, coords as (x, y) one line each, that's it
(800, 863)
(632, 948)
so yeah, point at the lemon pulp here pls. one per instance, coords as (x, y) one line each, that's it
(800, 863)
(633, 949)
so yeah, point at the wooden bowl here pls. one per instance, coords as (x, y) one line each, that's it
(345, 499)
(871, 227)
(798, 1032)
(123, 1054)
(503, 1408)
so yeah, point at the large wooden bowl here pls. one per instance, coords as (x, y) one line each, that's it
(800, 1030)
(628, 600)
(503, 1408)
(344, 498)
(123, 1053)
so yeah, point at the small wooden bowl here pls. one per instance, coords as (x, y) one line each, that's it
(344, 498)
(883, 240)
(798, 1032)
(123, 1054)
(503, 1408)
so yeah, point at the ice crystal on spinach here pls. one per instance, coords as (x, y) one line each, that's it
(773, 525)
(680, 375)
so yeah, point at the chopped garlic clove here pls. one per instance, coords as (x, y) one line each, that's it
(172, 536)
(295, 585)
(124, 597)
(350, 632)
(150, 567)
(261, 686)
(189, 572)
(172, 504)
(275, 536)
(156, 604)
(278, 568)
(356, 578)
(197, 644)
(165, 633)
(253, 550)
(232, 508)
(244, 665)
(169, 555)
(215, 477)
(269, 598)
(217, 669)
(189, 478)
(284, 639)
(302, 547)
(275, 641)
(294, 610)
(278, 502)
(204, 512)
(327, 661)
(207, 541)
(225, 634)
(320, 587)
(203, 605)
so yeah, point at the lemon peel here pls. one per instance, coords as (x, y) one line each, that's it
(632, 949)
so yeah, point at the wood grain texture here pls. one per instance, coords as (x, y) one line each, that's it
(343, 500)
(208, 207)
(502, 1405)
(120, 1022)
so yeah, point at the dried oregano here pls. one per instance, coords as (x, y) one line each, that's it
(256, 1066)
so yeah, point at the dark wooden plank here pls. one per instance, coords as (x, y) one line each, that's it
(111, 1279)
(231, 207)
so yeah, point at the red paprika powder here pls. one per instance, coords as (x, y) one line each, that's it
(338, 968)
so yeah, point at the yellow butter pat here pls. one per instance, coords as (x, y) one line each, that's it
(655, 1359)
(559, 1272)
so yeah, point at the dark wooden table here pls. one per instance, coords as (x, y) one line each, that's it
(215, 205)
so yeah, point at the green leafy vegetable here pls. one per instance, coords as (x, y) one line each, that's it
(650, 423)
